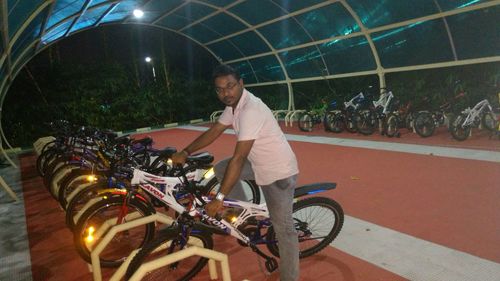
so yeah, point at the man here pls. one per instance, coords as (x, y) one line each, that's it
(261, 152)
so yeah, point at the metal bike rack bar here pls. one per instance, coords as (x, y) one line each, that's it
(214, 115)
(207, 253)
(8, 189)
(40, 143)
(94, 255)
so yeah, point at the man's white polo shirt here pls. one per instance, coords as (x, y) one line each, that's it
(271, 156)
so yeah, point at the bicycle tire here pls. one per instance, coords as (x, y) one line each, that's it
(159, 247)
(41, 160)
(250, 187)
(334, 121)
(459, 132)
(299, 215)
(71, 182)
(78, 201)
(489, 121)
(306, 123)
(364, 121)
(424, 124)
(349, 122)
(95, 216)
(391, 125)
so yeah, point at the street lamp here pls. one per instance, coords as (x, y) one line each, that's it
(150, 60)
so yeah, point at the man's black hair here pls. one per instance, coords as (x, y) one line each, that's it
(224, 70)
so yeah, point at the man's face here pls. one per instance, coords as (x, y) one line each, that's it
(229, 90)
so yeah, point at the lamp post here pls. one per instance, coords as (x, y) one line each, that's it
(150, 61)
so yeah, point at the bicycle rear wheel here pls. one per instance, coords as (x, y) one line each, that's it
(306, 123)
(250, 190)
(169, 242)
(364, 121)
(458, 131)
(318, 220)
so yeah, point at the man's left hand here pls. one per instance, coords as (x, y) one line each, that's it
(213, 207)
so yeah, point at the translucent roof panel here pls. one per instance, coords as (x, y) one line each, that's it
(224, 24)
(122, 10)
(257, 11)
(267, 69)
(219, 3)
(474, 35)
(413, 44)
(56, 32)
(64, 9)
(328, 21)
(155, 9)
(292, 6)
(29, 35)
(90, 17)
(447, 5)
(19, 12)
(348, 55)
(246, 71)
(194, 11)
(173, 22)
(250, 43)
(379, 13)
(225, 50)
(97, 2)
(285, 33)
(201, 33)
(302, 63)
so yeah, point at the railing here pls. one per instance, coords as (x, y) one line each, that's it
(215, 115)
(289, 118)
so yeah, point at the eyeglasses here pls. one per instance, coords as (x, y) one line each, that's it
(229, 87)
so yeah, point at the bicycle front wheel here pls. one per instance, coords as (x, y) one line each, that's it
(169, 242)
(318, 220)
(424, 124)
(88, 230)
(489, 121)
(392, 125)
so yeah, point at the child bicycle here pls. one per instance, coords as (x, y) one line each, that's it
(318, 220)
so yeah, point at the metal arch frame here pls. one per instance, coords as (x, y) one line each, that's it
(380, 69)
(83, 10)
(450, 37)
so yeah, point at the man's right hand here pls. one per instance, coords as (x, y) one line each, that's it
(179, 158)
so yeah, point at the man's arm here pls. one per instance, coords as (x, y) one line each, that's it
(232, 174)
(200, 142)
(206, 138)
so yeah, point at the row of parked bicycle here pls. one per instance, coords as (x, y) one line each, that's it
(102, 180)
(365, 115)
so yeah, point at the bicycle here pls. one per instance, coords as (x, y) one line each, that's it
(338, 120)
(366, 120)
(249, 223)
(480, 114)
(130, 202)
(308, 120)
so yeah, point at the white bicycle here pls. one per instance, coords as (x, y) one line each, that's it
(318, 220)
(480, 114)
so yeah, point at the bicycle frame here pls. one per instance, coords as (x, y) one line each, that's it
(352, 103)
(474, 113)
(145, 180)
(383, 101)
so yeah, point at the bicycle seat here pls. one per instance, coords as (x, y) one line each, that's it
(202, 158)
(167, 151)
(313, 188)
(147, 141)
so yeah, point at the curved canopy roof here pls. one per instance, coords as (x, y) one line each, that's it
(276, 41)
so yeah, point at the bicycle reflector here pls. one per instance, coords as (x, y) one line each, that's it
(91, 178)
(209, 173)
(90, 236)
